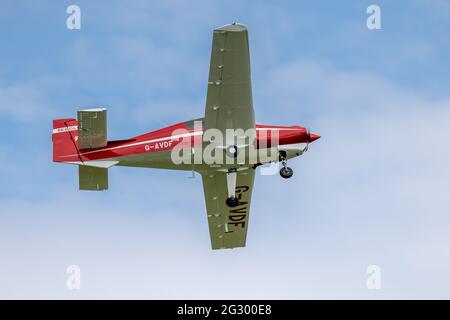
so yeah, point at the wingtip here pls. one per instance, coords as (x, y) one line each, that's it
(233, 27)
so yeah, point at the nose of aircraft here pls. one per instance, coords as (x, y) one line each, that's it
(313, 137)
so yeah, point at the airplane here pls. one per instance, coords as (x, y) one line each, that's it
(227, 182)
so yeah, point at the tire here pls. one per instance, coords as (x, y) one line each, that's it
(232, 202)
(286, 172)
(232, 151)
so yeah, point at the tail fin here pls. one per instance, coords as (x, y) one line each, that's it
(64, 138)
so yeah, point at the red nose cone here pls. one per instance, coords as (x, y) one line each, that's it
(313, 137)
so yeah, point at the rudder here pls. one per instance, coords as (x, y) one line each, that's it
(64, 138)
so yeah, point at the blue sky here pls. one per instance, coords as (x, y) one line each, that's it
(372, 191)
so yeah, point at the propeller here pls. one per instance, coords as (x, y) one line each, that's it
(308, 138)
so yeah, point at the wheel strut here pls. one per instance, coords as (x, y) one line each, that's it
(285, 171)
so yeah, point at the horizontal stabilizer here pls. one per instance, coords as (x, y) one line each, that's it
(92, 178)
(96, 163)
(92, 128)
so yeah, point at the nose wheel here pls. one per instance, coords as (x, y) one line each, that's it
(285, 172)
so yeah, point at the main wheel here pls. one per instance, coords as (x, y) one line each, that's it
(232, 202)
(232, 151)
(286, 172)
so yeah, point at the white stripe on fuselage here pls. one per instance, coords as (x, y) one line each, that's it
(65, 129)
(184, 135)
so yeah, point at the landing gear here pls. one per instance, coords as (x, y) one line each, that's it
(285, 172)
(232, 151)
(232, 202)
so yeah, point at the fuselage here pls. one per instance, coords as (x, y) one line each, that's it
(155, 149)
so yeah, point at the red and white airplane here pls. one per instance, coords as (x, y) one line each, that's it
(227, 169)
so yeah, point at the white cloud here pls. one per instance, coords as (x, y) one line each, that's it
(23, 103)
(374, 187)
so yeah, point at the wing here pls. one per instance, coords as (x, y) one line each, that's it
(227, 225)
(228, 106)
(92, 128)
(229, 99)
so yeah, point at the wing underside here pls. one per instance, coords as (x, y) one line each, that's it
(227, 225)
(229, 99)
(228, 106)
